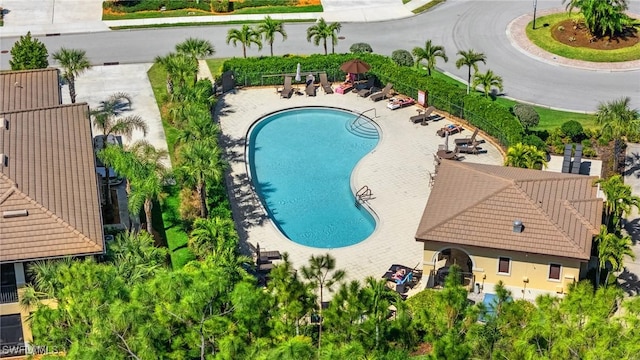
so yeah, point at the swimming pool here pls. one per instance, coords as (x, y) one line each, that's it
(300, 161)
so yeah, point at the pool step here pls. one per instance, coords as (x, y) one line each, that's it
(363, 128)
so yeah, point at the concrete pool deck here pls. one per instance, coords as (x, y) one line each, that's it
(397, 172)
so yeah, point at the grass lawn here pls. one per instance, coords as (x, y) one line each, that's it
(427, 6)
(542, 37)
(175, 234)
(215, 66)
(197, 12)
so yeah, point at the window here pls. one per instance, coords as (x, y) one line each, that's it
(554, 271)
(504, 265)
(11, 336)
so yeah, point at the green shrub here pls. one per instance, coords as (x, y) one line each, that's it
(535, 141)
(220, 6)
(258, 3)
(360, 48)
(494, 119)
(573, 129)
(527, 115)
(130, 6)
(402, 57)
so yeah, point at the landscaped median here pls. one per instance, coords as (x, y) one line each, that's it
(146, 9)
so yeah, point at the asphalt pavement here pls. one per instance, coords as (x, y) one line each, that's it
(455, 24)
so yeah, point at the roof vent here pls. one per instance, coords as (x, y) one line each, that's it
(4, 123)
(14, 213)
(518, 227)
(3, 160)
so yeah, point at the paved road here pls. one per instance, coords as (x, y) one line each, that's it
(456, 24)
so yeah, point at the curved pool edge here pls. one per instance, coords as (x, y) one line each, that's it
(265, 210)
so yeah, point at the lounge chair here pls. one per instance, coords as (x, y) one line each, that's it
(399, 102)
(368, 88)
(326, 86)
(449, 129)
(467, 140)
(310, 90)
(287, 89)
(423, 115)
(383, 94)
(448, 154)
(469, 148)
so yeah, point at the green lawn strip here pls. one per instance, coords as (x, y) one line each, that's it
(542, 37)
(215, 66)
(197, 12)
(207, 23)
(176, 236)
(551, 119)
(427, 6)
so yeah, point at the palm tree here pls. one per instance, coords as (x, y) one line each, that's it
(106, 118)
(198, 127)
(196, 49)
(147, 179)
(245, 36)
(430, 52)
(216, 236)
(470, 59)
(322, 273)
(321, 31)
(179, 67)
(135, 256)
(619, 201)
(525, 156)
(200, 164)
(617, 118)
(612, 249)
(74, 62)
(269, 28)
(487, 80)
(379, 298)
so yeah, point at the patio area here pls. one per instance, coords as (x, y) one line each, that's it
(397, 171)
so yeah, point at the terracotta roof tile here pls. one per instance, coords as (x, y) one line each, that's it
(476, 204)
(50, 172)
(29, 89)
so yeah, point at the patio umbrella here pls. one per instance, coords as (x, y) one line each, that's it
(355, 66)
(298, 75)
(446, 141)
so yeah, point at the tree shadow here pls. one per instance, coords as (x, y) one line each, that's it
(629, 282)
(632, 165)
(232, 148)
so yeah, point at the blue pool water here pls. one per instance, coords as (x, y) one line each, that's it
(301, 162)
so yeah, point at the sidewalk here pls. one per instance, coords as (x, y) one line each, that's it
(43, 17)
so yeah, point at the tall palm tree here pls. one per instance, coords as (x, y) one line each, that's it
(322, 273)
(197, 128)
(379, 298)
(245, 36)
(216, 237)
(74, 62)
(430, 52)
(197, 49)
(321, 31)
(470, 59)
(269, 28)
(200, 164)
(487, 80)
(525, 156)
(147, 180)
(619, 201)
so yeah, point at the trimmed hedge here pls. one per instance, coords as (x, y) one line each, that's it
(131, 6)
(493, 118)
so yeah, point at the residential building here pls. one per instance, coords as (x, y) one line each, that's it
(530, 229)
(49, 193)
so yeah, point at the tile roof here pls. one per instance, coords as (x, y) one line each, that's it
(29, 89)
(476, 205)
(49, 171)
